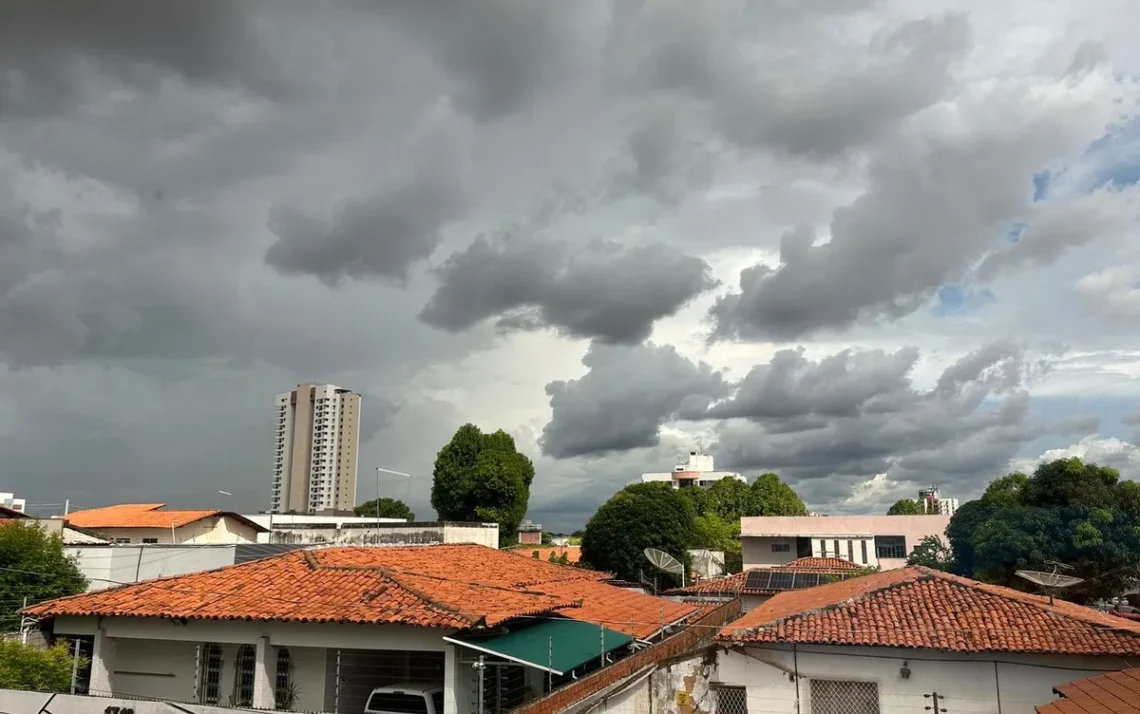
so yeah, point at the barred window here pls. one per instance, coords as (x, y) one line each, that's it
(243, 676)
(781, 548)
(283, 682)
(840, 697)
(890, 546)
(731, 700)
(210, 682)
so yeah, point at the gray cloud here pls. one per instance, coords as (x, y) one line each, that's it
(598, 290)
(935, 201)
(384, 234)
(53, 50)
(624, 399)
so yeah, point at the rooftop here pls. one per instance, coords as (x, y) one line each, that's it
(921, 608)
(146, 515)
(573, 552)
(757, 581)
(1114, 693)
(450, 586)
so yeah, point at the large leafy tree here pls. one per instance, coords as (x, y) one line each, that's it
(640, 516)
(385, 508)
(906, 507)
(34, 565)
(932, 552)
(772, 497)
(482, 477)
(1066, 511)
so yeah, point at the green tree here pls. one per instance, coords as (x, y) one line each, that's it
(728, 498)
(385, 508)
(32, 669)
(33, 565)
(640, 516)
(482, 477)
(1065, 511)
(772, 497)
(906, 507)
(932, 552)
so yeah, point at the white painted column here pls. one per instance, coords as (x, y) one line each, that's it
(102, 664)
(454, 694)
(264, 673)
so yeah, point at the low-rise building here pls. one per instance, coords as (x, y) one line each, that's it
(757, 586)
(318, 629)
(151, 523)
(11, 503)
(874, 541)
(933, 502)
(393, 532)
(906, 639)
(107, 565)
(530, 533)
(697, 471)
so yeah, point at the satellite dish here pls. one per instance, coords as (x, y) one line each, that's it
(666, 562)
(1050, 581)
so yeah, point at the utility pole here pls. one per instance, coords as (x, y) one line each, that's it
(936, 708)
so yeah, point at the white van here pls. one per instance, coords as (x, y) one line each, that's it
(406, 698)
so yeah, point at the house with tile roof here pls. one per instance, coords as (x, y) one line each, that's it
(153, 523)
(887, 642)
(882, 542)
(1112, 693)
(321, 627)
(756, 586)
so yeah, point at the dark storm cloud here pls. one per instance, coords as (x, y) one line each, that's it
(935, 202)
(382, 235)
(600, 289)
(625, 398)
(960, 434)
(52, 50)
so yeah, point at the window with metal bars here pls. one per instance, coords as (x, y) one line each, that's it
(243, 676)
(890, 546)
(830, 696)
(732, 700)
(210, 684)
(283, 692)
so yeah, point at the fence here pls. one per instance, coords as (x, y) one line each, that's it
(694, 635)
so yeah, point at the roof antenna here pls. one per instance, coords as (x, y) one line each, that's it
(1049, 582)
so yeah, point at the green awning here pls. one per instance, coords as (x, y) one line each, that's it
(556, 646)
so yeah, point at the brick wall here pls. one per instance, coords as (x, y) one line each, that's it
(694, 635)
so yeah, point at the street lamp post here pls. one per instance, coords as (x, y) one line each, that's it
(387, 471)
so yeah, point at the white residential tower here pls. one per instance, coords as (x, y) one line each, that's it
(316, 449)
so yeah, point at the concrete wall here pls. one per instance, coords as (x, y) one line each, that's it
(968, 683)
(108, 565)
(215, 530)
(411, 534)
(757, 552)
(14, 702)
(679, 687)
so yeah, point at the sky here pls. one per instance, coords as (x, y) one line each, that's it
(869, 245)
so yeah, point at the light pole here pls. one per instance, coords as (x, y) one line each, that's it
(396, 473)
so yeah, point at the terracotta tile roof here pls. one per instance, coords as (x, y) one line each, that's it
(6, 512)
(453, 586)
(573, 552)
(623, 610)
(737, 584)
(145, 515)
(819, 565)
(1114, 693)
(923, 608)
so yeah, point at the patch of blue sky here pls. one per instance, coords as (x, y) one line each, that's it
(1113, 159)
(956, 301)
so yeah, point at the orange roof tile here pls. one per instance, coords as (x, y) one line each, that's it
(454, 586)
(923, 608)
(144, 515)
(573, 552)
(1114, 693)
(637, 615)
(818, 565)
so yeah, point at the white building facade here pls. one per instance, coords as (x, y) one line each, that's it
(933, 503)
(316, 449)
(9, 501)
(874, 541)
(698, 471)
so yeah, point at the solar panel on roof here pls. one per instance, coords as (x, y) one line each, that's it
(805, 580)
(781, 581)
(758, 580)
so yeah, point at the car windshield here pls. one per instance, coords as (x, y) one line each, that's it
(399, 703)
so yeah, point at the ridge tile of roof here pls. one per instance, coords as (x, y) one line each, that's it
(451, 586)
(1113, 693)
(921, 608)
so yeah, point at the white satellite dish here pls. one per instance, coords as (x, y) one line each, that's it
(1050, 581)
(666, 562)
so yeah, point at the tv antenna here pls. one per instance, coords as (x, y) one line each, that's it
(666, 562)
(1050, 581)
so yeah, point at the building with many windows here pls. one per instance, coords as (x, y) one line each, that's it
(932, 502)
(316, 449)
(874, 541)
(697, 471)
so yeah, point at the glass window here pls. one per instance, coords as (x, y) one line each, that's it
(397, 703)
(781, 548)
(822, 548)
(863, 545)
(283, 683)
(851, 551)
(150, 540)
(837, 549)
(890, 547)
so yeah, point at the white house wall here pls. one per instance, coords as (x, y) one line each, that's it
(968, 683)
(221, 530)
(108, 565)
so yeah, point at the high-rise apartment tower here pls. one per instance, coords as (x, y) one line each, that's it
(316, 449)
